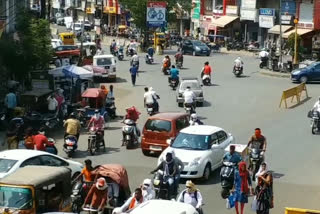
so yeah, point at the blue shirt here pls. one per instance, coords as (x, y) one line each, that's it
(234, 158)
(174, 73)
(150, 51)
(134, 70)
(11, 100)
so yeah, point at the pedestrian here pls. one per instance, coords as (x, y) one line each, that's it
(28, 138)
(12, 135)
(11, 103)
(52, 104)
(264, 192)
(262, 170)
(134, 73)
(242, 182)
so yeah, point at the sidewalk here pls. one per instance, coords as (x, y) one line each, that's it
(240, 53)
(274, 74)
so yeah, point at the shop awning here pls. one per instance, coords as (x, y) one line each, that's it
(223, 21)
(276, 29)
(300, 32)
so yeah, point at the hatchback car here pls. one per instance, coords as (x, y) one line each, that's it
(11, 160)
(201, 149)
(307, 74)
(108, 62)
(195, 86)
(159, 129)
(195, 48)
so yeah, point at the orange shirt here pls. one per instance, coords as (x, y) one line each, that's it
(87, 174)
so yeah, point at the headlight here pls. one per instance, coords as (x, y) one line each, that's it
(168, 141)
(156, 182)
(75, 192)
(195, 162)
(197, 48)
(47, 123)
(296, 72)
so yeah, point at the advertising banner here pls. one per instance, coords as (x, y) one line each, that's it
(156, 14)
(288, 7)
(195, 12)
(249, 4)
(266, 21)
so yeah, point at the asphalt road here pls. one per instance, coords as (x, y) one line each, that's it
(236, 104)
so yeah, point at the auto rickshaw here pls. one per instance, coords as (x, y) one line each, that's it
(122, 30)
(67, 38)
(36, 189)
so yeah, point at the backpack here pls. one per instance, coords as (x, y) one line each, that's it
(195, 194)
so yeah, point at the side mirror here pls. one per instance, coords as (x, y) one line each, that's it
(214, 146)
(170, 141)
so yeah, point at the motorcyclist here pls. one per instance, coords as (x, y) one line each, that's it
(232, 156)
(132, 47)
(113, 46)
(148, 192)
(263, 55)
(180, 167)
(179, 57)
(206, 71)
(97, 196)
(170, 169)
(72, 126)
(316, 106)
(174, 74)
(166, 63)
(150, 98)
(189, 97)
(156, 98)
(150, 51)
(258, 141)
(191, 195)
(96, 124)
(131, 203)
(132, 114)
(238, 63)
(194, 120)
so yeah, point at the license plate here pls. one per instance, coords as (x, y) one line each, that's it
(156, 148)
(107, 67)
(150, 109)
(69, 147)
(128, 137)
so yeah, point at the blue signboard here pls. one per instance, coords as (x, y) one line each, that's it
(288, 7)
(267, 12)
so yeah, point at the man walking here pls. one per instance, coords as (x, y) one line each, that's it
(11, 103)
(134, 73)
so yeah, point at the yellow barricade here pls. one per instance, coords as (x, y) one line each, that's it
(294, 92)
(300, 211)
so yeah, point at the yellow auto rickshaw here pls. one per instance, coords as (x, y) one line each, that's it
(67, 38)
(122, 30)
(36, 189)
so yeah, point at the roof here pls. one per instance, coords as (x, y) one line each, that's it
(223, 21)
(189, 78)
(163, 206)
(276, 29)
(168, 115)
(103, 56)
(37, 175)
(21, 154)
(93, 93)
(300, 32)
(201, 130)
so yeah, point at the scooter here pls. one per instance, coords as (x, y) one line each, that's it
(166, 70)
(129, 134)
(111, 108)
(120, 54)
(149, 59)
(173, 83)
(70, 145)
(161, 186)
(263, 62)
(227, 178)
(256, 158)
(315, 123)
(189, 108)
(206, 79)
(237, 71)
(150, 109)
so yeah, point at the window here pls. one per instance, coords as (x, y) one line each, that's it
(182, 123)
(32, 162)
(6, 165)
(59, 49)
(191, 142)
(158, 125)
(222, 136)
(48, 160)
(208, 5)
(192, 84)
(317, 67)
(104, 61)
(214, 139)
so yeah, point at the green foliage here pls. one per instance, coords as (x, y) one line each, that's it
(291, 41)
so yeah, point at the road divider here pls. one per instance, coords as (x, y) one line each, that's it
(300, 211)
(294, 92)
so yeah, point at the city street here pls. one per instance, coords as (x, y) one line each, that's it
(238, 105)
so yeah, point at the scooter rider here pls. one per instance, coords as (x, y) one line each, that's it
(189, 97)
(238, 63)
(194, 120)
(150, 98)
(174, 74)
(135, 60)
(191, 195)
(156, 97)
(232, 156)
(179, 56)
(72, 126)
(150, 51)
(166, 62)
(258, 141)
(97, 124)
(132, 114)
(263, 55)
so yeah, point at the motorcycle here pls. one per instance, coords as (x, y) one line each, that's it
(149, 59)
(150, 109)
(70, 145)
(255, 159)
(237, 71)
(234, 46)
(95, 141)
(315, 124)
(189, 107)
(129, 134)
(120, 54)
(165, 70)
(161, 186)
(50, 146)
(111, 108)
(227, 178)
(206, 79)
(79, 193)
(263, 62)
(130, 52)
(173, 83)
(50, 121)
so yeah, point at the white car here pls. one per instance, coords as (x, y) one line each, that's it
(163, 206)
(201, 149)
(56, 43)
(11, 160)
(108, 62)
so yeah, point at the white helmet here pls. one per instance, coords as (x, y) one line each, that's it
(239, 58)
(194, 117)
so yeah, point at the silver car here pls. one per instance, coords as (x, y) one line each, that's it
(195, 86)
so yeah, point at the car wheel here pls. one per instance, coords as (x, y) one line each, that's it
(200, 104)
(146, 152)
(194, 53)
(75, 175)
(303, 79)
(207, 172)
(180, 104)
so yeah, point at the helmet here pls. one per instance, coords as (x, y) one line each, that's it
(96, 111)
(194, 117)
(72, 115)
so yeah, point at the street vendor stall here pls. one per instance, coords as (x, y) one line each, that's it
(36, 99)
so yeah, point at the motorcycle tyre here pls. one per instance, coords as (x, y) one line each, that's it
(92, 147)
(225, 192)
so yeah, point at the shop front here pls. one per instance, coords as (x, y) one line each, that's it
(266, 21)
(249, 20)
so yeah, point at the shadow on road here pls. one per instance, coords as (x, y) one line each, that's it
(244, 76)
(85, 154)
(214, 179)
(113, 128)
(277, 175)
(302, 102)
(119, 80)
(206, 104)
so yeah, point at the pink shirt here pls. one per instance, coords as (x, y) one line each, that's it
(97, 124)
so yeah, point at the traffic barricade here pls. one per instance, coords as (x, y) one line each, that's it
(295, 92)
(290, 210)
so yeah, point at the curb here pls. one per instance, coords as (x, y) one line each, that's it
(274, 74)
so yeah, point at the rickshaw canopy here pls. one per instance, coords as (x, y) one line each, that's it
(93, 93)
(122, 27)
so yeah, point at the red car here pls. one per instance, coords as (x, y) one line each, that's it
(67, 51)
(160, 129)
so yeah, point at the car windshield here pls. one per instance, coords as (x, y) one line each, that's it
(77, 25)
(104, 61)
(193, 85)
(16, 197)
(6, 164)
(158, 125)
(191, 142)
(198, 43)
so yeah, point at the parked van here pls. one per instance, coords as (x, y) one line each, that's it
(108, 62)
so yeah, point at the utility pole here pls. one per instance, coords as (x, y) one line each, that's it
(280, 57)
(82, 31)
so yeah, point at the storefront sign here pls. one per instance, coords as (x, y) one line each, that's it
(232, 10)
(288, 7)
(266, 12)
(206, 21)
(112, 10)
(249, 15)
(250, 4)
(195, 12)
(266, 21)
(306, 25)
(156, 14)
(286, 19)
(306, 15)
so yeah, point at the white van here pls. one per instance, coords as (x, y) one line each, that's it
(108, 62)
